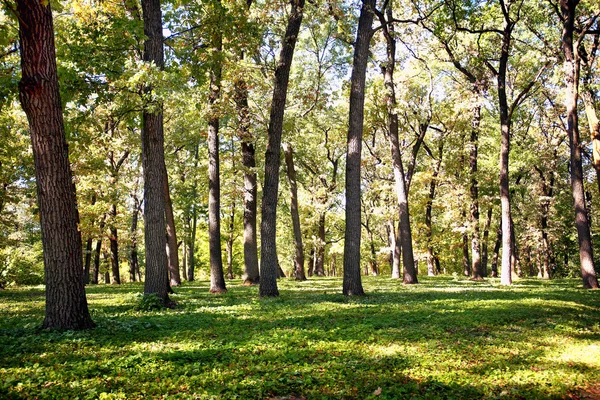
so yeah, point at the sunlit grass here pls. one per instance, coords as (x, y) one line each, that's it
(444, 338)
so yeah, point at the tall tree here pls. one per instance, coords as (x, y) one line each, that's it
(217, 279)
(404, 238)
(571, 70)
(66, 304)
(291, 174)
(268, 262)
(352, 285)
(153, 162)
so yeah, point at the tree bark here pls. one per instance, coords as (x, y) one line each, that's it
(476, 265)
(172, 249)
(571, 70)
(133, 252)
(352, 285)
(88, 261)
(66, 304)
(291, 175)
(217, 279)
(431, 268)
(484, 244)
(268, 261)
(153, 162)
(114, 248)
(192, 238)
(320, 253)
(96, 271)
(496, 252)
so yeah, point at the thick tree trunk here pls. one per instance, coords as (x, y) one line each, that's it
(571, 70)
(172, 248)
(153, 162)
(217, 279)
(291, 175)
(114, 249)
(268, 260)
(352, 284)
(66, 304)
(404, 230)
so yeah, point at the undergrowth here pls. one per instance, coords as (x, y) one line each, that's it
(444, 338)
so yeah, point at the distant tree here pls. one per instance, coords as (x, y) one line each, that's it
(66, 304)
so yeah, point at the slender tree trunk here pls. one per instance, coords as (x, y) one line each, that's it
(153, 162)
(320, 256)
(465, 260)
(268, 261)
(431, 269)
(496, 252)
(404, 230)
(172, 248)
(192, 238)
(391, 234)
(66, 304)
(311, 262)
(133, 252)
(291, 174)
(114, 248)
(352, 284)
(571, 69)
(88, 261)
(507, 240)
(96, 270)
(476, 267)
(484, 244)
(230, 241)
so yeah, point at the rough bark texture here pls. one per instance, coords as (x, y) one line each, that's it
(66, 304)
(571, 70)
(153, 161)
(217, 278)
(404, 238)
(291, 175)
(172, 249)
(268, 250)
(352, 285)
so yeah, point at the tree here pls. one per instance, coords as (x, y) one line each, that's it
(571, 69)
(269, 265)
(66, 304)
(291, 174)
(352, 285)
(153, 161)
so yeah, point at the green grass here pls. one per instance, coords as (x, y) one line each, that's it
(445, 338)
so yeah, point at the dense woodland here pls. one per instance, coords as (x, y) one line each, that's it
(222, 138)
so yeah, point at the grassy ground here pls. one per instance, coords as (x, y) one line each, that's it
(444, 338)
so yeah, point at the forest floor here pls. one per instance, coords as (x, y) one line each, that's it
(444, 338)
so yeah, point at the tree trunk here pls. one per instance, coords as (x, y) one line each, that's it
(96, 271)
(230, 240)
(320, 256)
(496, 252)
(172, 248)
(465, 259)
(66, 304)
(431, 269)
(484, 244)
(507, 240)
(476, 265)
(192, 238)
(311, 262)
(88, 261)
(153, 162)
(133, 252)
(352, 281)
(571, 69)
(114, 249)
(268, 261)
(291, 174)
(404, 236)
(217, 279)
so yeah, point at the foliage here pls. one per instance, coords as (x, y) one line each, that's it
(446, 338)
